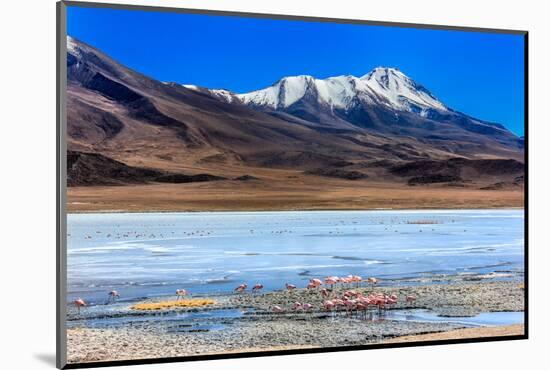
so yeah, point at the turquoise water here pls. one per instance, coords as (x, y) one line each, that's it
(152, 254)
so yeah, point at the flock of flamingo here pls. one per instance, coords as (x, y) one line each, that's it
(350, 301)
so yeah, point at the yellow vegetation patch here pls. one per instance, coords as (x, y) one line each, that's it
(172, 304)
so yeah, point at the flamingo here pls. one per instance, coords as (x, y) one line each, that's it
(391, 300)
(358, 279)
(361, 306)
(310, 285)
(257, 287)
(350, 305)
(297, 306)
(113, 295)
(316, 282)
(241, 288)
(180, 293)
(290, 287)
(325, 293)
(79, 302)
(328, 305)
(372, 281)
(410, 299)
(277, 309)
(331, 280)
(307, 306)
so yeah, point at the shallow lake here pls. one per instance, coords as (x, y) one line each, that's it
(152, 254)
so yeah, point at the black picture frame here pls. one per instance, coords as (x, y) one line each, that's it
(61, 211)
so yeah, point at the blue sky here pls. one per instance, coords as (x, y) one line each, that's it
(479, 74)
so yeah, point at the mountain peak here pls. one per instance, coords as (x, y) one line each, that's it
(383, 85)
(400, 91)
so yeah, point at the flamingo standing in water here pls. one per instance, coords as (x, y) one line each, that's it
(338, 303)
(310, 285)
(328, 305)
(410, 299)
(79, 302)
(372, 281)
(180, 294)
(357, 279)
(316, 282)
(257, 287)
(331, 280)
(241, 288)
(277, 309)
(113, 295)
(290, 287)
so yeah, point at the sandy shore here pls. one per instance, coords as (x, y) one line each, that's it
(496, 331)
(311, 193)
(259, 329)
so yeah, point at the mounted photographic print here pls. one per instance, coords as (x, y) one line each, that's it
(236, 184)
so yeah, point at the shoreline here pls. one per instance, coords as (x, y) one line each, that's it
(260, 329)
(168, 211)
(468, 333)
(294, 194)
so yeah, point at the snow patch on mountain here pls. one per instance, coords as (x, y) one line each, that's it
(72, 46)
(387, 86)
(400, 90)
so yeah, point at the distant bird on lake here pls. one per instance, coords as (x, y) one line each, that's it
(241, 288)
(372, 281)
(310, 285)
(290, 287)
(332, 280)
(410, 299)
(257, 287)
(180, 294)
(113, 295)
(79, 302)
(316, 282)
(328, 305)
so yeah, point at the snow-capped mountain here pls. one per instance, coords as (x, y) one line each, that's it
(382, 86)
(385, 99)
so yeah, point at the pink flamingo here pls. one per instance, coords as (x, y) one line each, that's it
(316, 282)
(328, 305)
(391, 300)
(79, 302)
(307, 306)
(332, 280)
(297, 306)
(357, 279)
(277, 309)
(361, 306)
(113, 295)
(290, 287)
(350, 305)
(241, 288)
(180, 293)
(310, 285)
(325, 293)
(257, 287)
(410, 299)
(372, 281)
